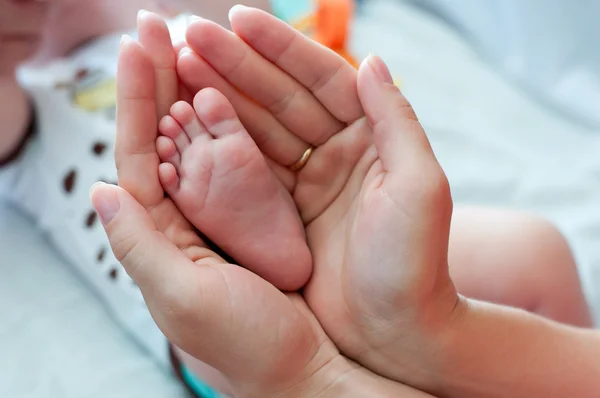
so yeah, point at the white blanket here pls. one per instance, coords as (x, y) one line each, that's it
(497, 146)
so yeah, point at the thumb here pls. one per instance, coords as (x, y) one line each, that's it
(398, 134)
(147, 256)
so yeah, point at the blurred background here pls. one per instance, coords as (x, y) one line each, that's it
(509, 94)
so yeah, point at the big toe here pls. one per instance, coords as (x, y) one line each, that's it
(217, 113)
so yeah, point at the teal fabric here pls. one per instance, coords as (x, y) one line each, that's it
(292, 10)
(199, 387)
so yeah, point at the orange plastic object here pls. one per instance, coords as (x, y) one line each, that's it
(332, 23)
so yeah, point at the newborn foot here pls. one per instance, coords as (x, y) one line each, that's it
(217, 176)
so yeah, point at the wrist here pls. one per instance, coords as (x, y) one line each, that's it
(323, 379)
(338, 378)
(360, 382)
(451, 345)
(434, 362)
(342, 378)
(335, 379)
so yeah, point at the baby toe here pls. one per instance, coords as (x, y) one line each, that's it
(167, 151)
(167, 174)
(170, 127)
(217, 114)
(185, 115)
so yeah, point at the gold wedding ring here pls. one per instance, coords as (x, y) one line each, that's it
(303, 160)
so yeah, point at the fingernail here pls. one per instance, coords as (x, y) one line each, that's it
(126, 39)
(193, 18)
(95, 185)
(183, 51)
(380, 69)
(105, 203)
(235, 8)
(141, 14)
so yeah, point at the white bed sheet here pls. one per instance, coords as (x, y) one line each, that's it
(498, 147)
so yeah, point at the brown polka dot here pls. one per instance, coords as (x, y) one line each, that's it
(82, 74)
(91, 219)
(113, 274)
(101, 254)
(69, 181)
(99, 148)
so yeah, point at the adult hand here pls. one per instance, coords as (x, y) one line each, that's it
(200, 302)
(375, 202)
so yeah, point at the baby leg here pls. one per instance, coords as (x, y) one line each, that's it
(516, 259)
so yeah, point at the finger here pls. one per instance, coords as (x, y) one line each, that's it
(327, 75)
(270, 136)
(259, 79)
(184, 92)
(155, 38)
(179, 45)
(329, 168)
(398, 135)
(137, 125)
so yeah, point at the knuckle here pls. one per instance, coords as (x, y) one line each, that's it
(124, 245)
(130, 251)
(440, 186)
(434, 189)
(282, 104)
(404, 108)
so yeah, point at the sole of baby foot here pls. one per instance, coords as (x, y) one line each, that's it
(221, 182)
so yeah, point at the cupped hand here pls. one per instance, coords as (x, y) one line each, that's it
(375, 202)
(202, 304)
